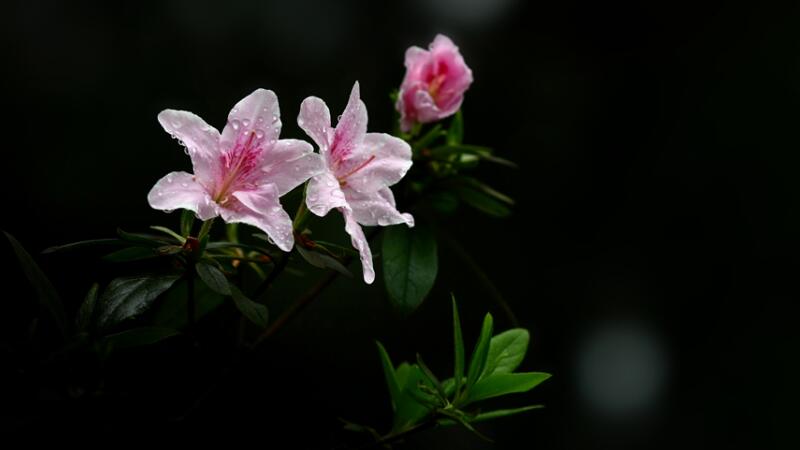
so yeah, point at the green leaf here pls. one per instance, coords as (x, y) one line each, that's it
(131, 254)
(409, 265)
(254, 312)
(137, 337)
(144, 239)
(455, 134)
(45, 292)
(81, 244)
(187, 222)
(468, 153)
(390, 376)
(86, 311)
(458, 349)
(506, 351)
(128, 297)
(322, 260)
(505, 383)
(213, 278)
(479, 355)
(169, 232)
(496, 414)
(409, 410)
(429, 138)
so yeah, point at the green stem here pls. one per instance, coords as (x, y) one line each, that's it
(205, 229)
(190, 313)
(302, 216)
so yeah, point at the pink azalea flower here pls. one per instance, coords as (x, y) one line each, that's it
(241, 173)
(434, 85)
(359, 168)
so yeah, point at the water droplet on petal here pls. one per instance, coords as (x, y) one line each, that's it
(259, 134)
(276, 208)
(184, 184)
(159, 193)
(169, 179)
(260, 119)
(235, 124)
(274, 118)
(234, 110)
(246, 122)
(300, 121)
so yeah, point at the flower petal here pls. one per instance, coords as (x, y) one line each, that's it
(315, 120)
(200, 139)
(324, 194)
(351, 128)
(289, 163)
(385, 159)
(257, 113)
(360, 243)
(179, 190)
(262, 209)
(377, 208)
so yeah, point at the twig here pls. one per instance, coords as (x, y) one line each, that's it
(490, 287)
(273, 274)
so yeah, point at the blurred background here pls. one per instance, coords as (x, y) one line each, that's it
(652, 253)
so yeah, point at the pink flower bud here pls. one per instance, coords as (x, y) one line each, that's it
(434, 85)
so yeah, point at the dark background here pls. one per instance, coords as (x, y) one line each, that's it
(652, 252)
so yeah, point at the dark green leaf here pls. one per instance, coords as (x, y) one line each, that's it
(455, 134)
(127, 297)
(254, 312)
(505, 383)
(213, 278)
(86, 311)
(482, 202)
(458, 349)
(169, 232)
(479, 355)
(409, 265)
(187, 222)
(81, 244)
(45, 292)
(442, 202)
(322, 261)
(506, 351)
(131, 254)
(137, 337)
(389, 375)
(171, 309)
(223, 244)
(144, 239)
(430, 377)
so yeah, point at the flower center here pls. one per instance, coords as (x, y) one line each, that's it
(237, 165)
(343, 178)
(435, 84)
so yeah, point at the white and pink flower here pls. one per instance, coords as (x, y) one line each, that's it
(434, 85)
(359, 168)
(240, 174)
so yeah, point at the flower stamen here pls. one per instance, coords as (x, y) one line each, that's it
(343, 179)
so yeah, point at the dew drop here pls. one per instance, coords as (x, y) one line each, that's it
(259, 133)
(186, 150)
(274, 118)
(260, 119)
(300, 121)
(169, 179)
(184, 184)
(159, 193)
(235, 124)
(234, 110)
(276, 208)
(246, 122)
